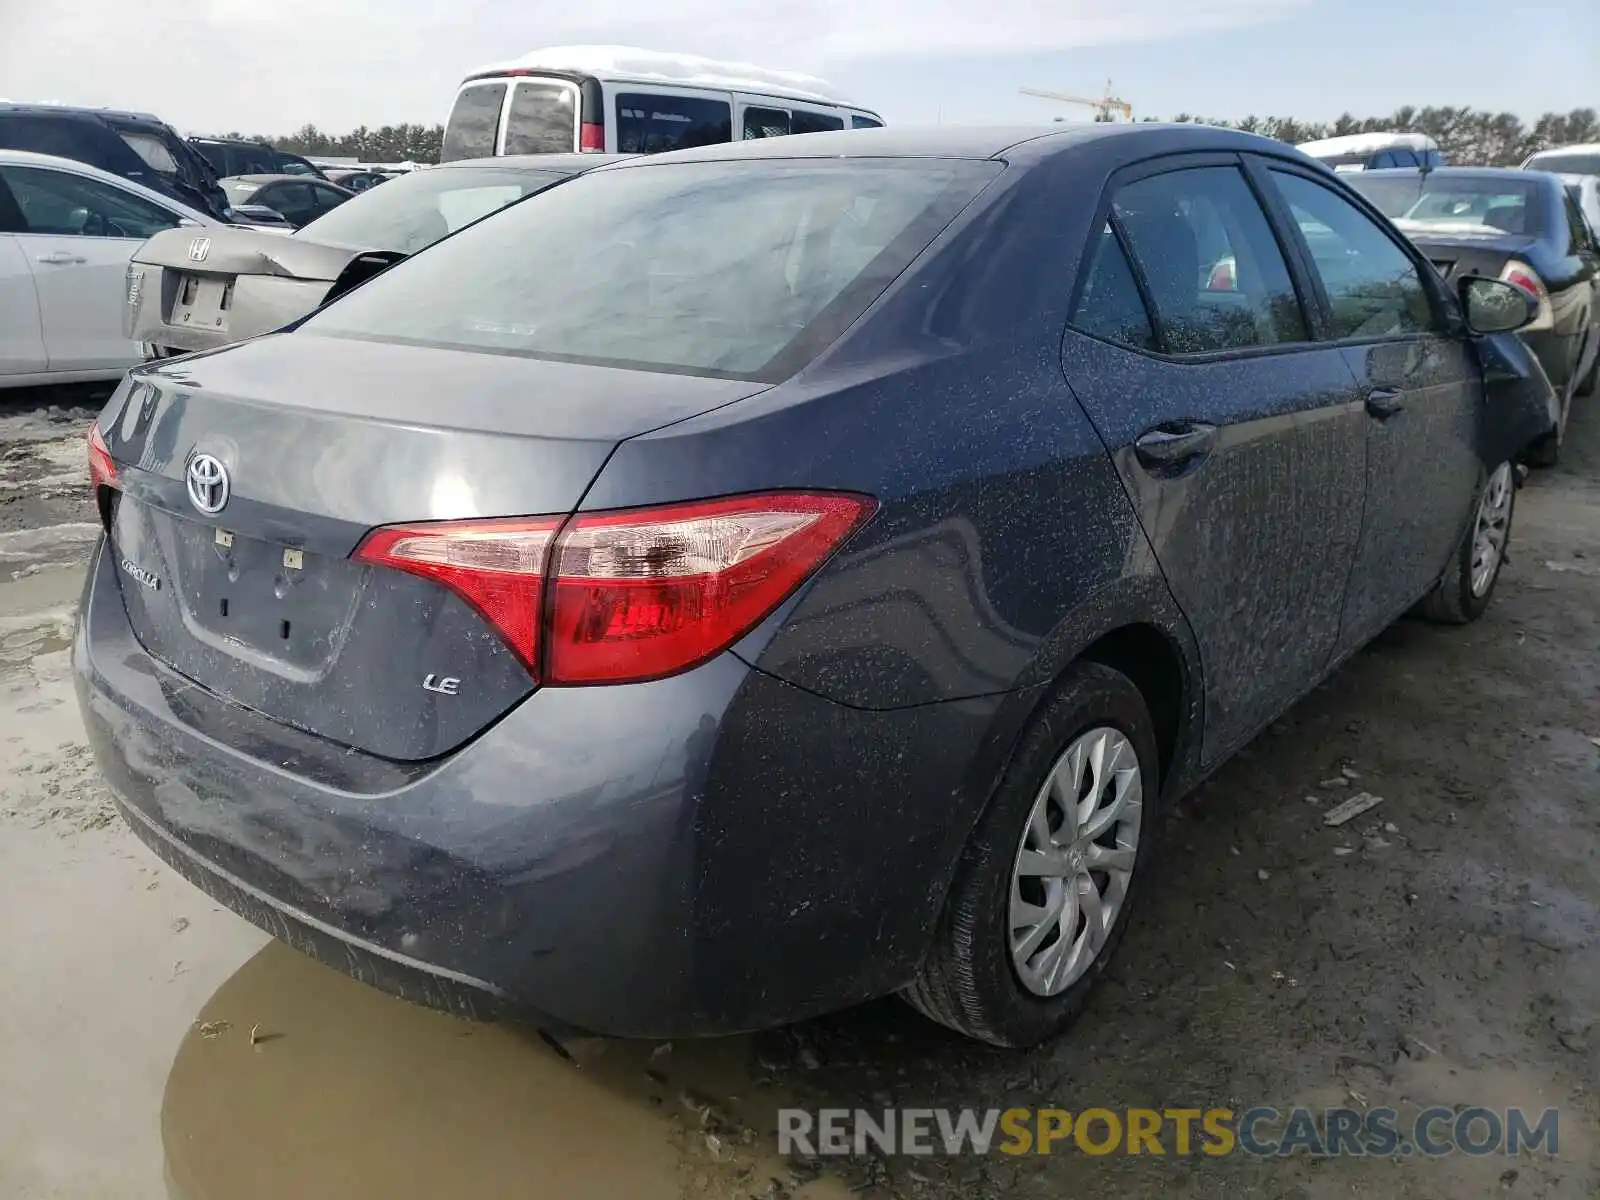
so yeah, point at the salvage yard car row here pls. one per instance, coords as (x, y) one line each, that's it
(722, 554)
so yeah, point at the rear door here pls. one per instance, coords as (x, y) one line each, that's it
(473, 129)
(1421, 387)
(1239, 438)
(541, 117)
(79, 234)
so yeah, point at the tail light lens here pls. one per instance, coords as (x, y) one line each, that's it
(592, 138)
(1222, 277)
(1521, 275)
(102, 467)
(495, 566)
(627, 596)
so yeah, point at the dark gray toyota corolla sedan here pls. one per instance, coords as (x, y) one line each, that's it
(739, 583)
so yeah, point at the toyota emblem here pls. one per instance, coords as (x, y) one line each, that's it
(199, 248)
(208, 483)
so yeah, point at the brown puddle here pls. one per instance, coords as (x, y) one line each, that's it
(351, 1093)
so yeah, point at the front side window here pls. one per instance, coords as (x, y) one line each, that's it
(743, 270)
(63, 205)
(543, 119)
(1214, 270)
(1110, 306)
(474, 122)
(1374, 289)
(865, 123)
(765, 123)
(653, 122)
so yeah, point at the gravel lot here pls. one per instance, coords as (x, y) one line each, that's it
(152, 1044)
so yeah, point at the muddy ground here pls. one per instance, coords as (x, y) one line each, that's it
(1443, 948)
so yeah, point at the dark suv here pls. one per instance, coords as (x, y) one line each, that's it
(136, 146)
(229, 157)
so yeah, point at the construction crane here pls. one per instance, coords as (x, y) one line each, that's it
(1103, 107)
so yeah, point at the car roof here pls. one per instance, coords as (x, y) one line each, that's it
(109, 115)
(571, 163)
(1019, 144)
(1363, 143)
(28, 158)
(1575, 148)
(1508, 174)
(630, 64)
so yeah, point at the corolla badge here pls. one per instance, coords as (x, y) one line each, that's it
(149, 578)
(199, 248)
(208, 485)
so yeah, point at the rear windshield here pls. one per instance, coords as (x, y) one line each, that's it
(474, 122)
(543, 119)
(424, 206)
(1454, 203)
(736, 269)
(1566, 164)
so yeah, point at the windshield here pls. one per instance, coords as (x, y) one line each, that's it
(419, 209)
(742, 270)
(1566, 164)
(1487, 204)
(153, 151)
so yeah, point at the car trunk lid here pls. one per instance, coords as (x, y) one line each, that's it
(1464, 255)
(248, 478)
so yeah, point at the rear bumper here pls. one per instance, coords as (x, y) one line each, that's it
(704, 854)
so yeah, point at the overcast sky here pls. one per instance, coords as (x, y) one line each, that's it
(269, 66)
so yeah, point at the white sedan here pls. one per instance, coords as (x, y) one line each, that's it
(67, 231)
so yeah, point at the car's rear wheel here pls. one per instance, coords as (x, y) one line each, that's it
(1468, 585)
(1042, 894)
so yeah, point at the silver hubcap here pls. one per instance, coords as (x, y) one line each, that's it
(1489, 535)
(1075, 861)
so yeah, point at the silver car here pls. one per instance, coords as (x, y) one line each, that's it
(189, 291)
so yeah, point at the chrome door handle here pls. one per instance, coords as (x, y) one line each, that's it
(60, 258)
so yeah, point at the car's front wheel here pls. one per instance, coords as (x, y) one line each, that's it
(1468, 584)
(1041, 897)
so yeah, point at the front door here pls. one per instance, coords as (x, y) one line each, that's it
(79, 234)
(1422, 389)
(1239, 439)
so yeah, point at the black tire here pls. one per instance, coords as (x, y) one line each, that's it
(968, 982)
(1452, 601)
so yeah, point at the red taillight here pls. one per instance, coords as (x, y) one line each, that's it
(626, 596)
(102, 467)
(592, 138)
(495, 566)
(1526, 279)
(1222, 278)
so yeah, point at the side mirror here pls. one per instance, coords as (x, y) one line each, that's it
(1494, 306)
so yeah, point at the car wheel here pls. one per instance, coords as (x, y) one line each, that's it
(1468, 585)
(1042, 893)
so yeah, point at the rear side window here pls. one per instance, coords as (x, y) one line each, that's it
(293, 201)
(801, 121)
(543, 119)
(1110, 306)
(216, 155)
(1213, 268)
(1374, 289)
(474, 122)
(1581, 239)
(153, 151)
(62, 138)
(743, 270)
(865, 123)
(765, 123)
(651, 122)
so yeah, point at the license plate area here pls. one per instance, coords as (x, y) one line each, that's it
(201, 301)
(258, 599)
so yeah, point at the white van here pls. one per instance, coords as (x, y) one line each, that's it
(1375, 151)
(619, 100)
